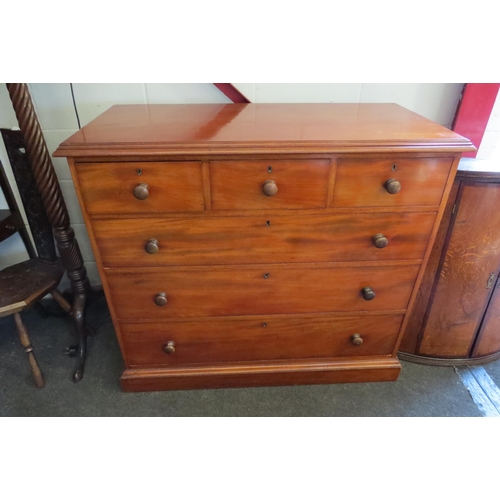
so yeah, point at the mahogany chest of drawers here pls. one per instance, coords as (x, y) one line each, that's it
(261, 244)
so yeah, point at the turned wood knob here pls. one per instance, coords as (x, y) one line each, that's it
(269, 188)
(392, 186)
(141, 191)
(169, 347)
(368, 293)
(380, 241)
(152, 246)
(356, 339)
(161, 299)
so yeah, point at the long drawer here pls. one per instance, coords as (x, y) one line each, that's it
(273, 289)
(390, 182)
(266, 239)
(259, 338)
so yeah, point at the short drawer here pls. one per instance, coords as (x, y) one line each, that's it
(142, 187)
(293, 184)
(390, 182)
(264, 239)
(259, 338)
(179, 292)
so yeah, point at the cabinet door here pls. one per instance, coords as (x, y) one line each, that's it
(462, 291)
(488, 339)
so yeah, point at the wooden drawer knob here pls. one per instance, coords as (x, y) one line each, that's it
(161, 299)
(380, 241)
(269, 188)
(368, 293)
(392, 186)
(356, 339)
(152, 246)
(169, 347)
(141, 191)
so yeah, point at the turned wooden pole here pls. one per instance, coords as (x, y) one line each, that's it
(57, 213)
(48, 186)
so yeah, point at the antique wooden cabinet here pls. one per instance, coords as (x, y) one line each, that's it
(261, 244)
(456, 318)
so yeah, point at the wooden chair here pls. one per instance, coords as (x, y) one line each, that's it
(23, 285)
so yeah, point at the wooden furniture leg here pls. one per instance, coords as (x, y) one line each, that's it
(55, 207)
(26, 343)
(58, 297)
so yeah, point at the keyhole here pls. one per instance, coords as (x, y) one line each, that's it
(268, 223)
(266, 276)
(139, 171)
(269, 169)
(394, 167)
(264, 324)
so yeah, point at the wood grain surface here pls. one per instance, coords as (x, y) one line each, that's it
(109, 187)
(488, 339)
(238, 185)
(253, 128)
(360, 182)
(334, 371)
(461, 294)
(262, 338)
(265, 239)
(240, 290)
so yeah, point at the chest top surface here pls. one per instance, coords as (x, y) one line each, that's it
(259, 128)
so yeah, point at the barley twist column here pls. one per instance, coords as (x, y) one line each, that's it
(57, 212)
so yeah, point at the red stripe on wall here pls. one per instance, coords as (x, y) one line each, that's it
(232, 92)
(474, 112)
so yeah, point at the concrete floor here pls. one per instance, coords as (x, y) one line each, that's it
(421, 391)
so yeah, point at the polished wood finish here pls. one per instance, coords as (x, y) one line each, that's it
(456, 316)
(363, 182)
(139, 187)
(274, 289)
(287, 228)
(261, 338)
(417, 317)
(271, 238)
(289, 372)
(266, 184)
(204, 129)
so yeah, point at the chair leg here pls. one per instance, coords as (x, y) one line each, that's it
(26, 343)
(78, 313)
(58, 296)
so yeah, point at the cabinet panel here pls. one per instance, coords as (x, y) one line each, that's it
(462, 292)
(488, 341)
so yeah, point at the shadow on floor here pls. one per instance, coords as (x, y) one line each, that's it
(421, 391)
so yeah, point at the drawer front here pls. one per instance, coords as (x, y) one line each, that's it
(262, 338)
(243, 290)
(266, 239)
(361, 182)
(171, 187)
(239, 185)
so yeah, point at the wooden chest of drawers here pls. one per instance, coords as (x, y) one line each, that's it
(261, 244)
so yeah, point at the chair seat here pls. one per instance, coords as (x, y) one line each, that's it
(23, 284)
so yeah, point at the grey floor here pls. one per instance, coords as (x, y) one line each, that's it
(421, 391)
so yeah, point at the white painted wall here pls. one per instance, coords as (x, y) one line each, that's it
(57, 115)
